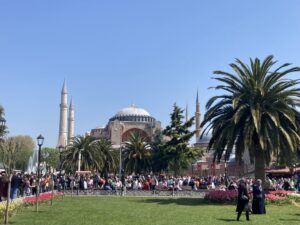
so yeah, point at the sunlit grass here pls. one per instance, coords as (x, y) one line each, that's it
(146, 211)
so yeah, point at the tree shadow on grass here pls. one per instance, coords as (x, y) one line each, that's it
(178, 201)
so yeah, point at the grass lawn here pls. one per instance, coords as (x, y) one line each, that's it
(146, 211)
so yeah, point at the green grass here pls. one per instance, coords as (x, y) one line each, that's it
(146, 211)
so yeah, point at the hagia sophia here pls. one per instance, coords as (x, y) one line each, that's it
(135, 119)
(124, 122)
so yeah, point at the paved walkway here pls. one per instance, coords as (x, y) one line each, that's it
(139, 193)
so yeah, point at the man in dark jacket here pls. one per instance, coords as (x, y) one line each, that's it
(243, 200)
(3, 186)
(15, 185)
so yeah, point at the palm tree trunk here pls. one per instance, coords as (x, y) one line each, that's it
(259, 165)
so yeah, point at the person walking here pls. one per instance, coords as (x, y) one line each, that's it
(258, 202)
(242, 200)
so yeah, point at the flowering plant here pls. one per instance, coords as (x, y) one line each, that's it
(220, 196)
(14, 206)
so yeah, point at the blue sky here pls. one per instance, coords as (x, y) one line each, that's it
(114, 53)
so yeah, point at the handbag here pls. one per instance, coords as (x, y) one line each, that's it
(244, 197)
(260, 196)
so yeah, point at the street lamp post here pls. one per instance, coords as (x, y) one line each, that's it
(61, 149)
(79, 160)
(40, 141)
(225, 166)
(120, 164)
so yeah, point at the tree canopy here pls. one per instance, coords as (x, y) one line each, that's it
(256, 112)
(179, 153)
(51, 157)
(137, 154)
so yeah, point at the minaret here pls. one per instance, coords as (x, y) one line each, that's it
(197, 118)
(62, 136)
(187, 113)
(71, 122)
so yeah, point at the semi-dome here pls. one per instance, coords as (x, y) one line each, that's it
(205, 139)
(132, 110)
(133, 114)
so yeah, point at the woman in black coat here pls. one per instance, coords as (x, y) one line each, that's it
(258, 203)
(243, 200)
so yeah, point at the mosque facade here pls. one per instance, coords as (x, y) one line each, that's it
(135, 119)
(126, 121)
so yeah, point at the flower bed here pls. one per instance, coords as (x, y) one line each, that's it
(273, 197)
(221, 196)
(18, 203)
(281, 196)
(42, 197)
(14, 206)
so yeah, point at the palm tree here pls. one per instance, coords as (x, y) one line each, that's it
(137, 154)
(108, 157)
(90, 157)
(257, 113)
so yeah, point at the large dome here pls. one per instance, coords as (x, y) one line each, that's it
(132, 110)
(133, 114)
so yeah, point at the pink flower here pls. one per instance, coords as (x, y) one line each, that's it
(221, 196)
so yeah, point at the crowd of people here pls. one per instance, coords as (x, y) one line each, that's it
(164, 182)
(25, 184)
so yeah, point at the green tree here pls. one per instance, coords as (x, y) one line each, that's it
(51, 156)
(159, 159)
(8, 153)
(179, 154)
(257, 112)
(137, 154)
(108, 157)
(25, 147)
(84, 145)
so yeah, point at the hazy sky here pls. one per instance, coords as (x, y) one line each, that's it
(114, 53)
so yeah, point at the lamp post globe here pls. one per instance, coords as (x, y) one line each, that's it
(40, 142)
